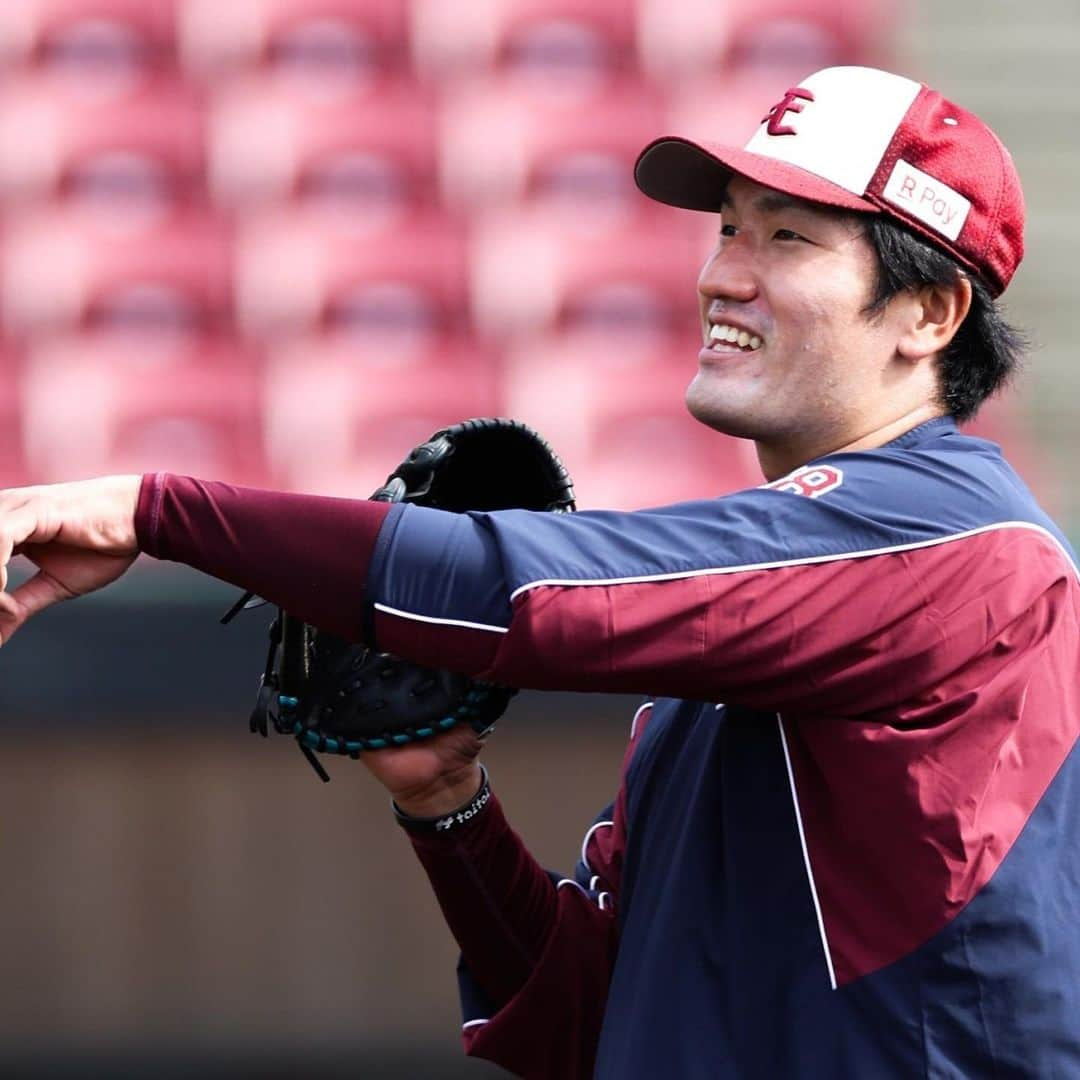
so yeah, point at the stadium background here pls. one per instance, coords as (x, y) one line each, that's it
(278, 242)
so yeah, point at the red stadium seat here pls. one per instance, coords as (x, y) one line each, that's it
(361, 155)
(317, 47)
(614, 411)
(13, 471)
(99, 46)
(93, 408)
(613, 288)
(537, 268)
(142, 150)
(402, 288)
(66, 269)
(339, 417)
(723, 107)
(545, 45)
(1001, 421)
(783, 39)
(500, 144)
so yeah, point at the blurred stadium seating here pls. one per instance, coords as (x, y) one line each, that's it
(340, 416)
(13, 469)
(330, 226)
(142, 148)
(70, 267)
(102, 404)
(318, 48)
(614, 408)
(784, 39)
(297, 271)
(539, 266)
(358, 155)
(552, 47)
(92, 47)
(499, 143)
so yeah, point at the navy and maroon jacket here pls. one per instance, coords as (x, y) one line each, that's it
(847, 838)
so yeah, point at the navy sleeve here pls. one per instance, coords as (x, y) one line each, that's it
(843, 599)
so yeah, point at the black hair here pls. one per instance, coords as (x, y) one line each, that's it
(985, 353)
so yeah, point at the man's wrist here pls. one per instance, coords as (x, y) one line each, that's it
(437, 819)
(440, 796)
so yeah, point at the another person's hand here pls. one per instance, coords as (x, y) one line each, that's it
(81, 537)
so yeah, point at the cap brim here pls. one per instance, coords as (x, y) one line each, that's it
(694, 175)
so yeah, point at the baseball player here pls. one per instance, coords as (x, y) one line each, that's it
(845, 843)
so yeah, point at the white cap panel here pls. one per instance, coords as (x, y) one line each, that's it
(844, 139)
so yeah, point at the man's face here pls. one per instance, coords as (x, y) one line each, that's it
(792, 278)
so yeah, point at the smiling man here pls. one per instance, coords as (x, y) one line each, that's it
(792, 359)
(844, 844)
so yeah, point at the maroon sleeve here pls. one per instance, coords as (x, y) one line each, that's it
(497, 900)
(542, 954)
(551, 1027)
(307, 553)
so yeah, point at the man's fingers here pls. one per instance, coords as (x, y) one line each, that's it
(16, 526)
(19, 523)
(38, 593)
(8, 616)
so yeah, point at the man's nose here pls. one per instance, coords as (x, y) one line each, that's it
(728, 273)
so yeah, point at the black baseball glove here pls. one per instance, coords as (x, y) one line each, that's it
(338, 697)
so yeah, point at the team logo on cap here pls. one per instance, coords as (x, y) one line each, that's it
(790, 102)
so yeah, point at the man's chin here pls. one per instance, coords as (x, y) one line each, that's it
(721, 415)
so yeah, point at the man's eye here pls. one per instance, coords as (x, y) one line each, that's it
(727, 230)
(787, 234)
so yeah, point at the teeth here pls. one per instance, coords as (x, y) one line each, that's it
(733, 336)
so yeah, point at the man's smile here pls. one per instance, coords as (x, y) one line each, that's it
(724, 334)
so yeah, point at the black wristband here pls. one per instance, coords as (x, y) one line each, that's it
(445, 822)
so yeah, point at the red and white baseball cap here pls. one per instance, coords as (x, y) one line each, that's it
(866, 140)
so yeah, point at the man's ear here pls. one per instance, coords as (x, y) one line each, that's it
(935, 315)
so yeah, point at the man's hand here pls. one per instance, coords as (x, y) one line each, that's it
(431, 777)
(81, 536)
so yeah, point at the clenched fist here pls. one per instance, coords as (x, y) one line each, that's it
(81, 536)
